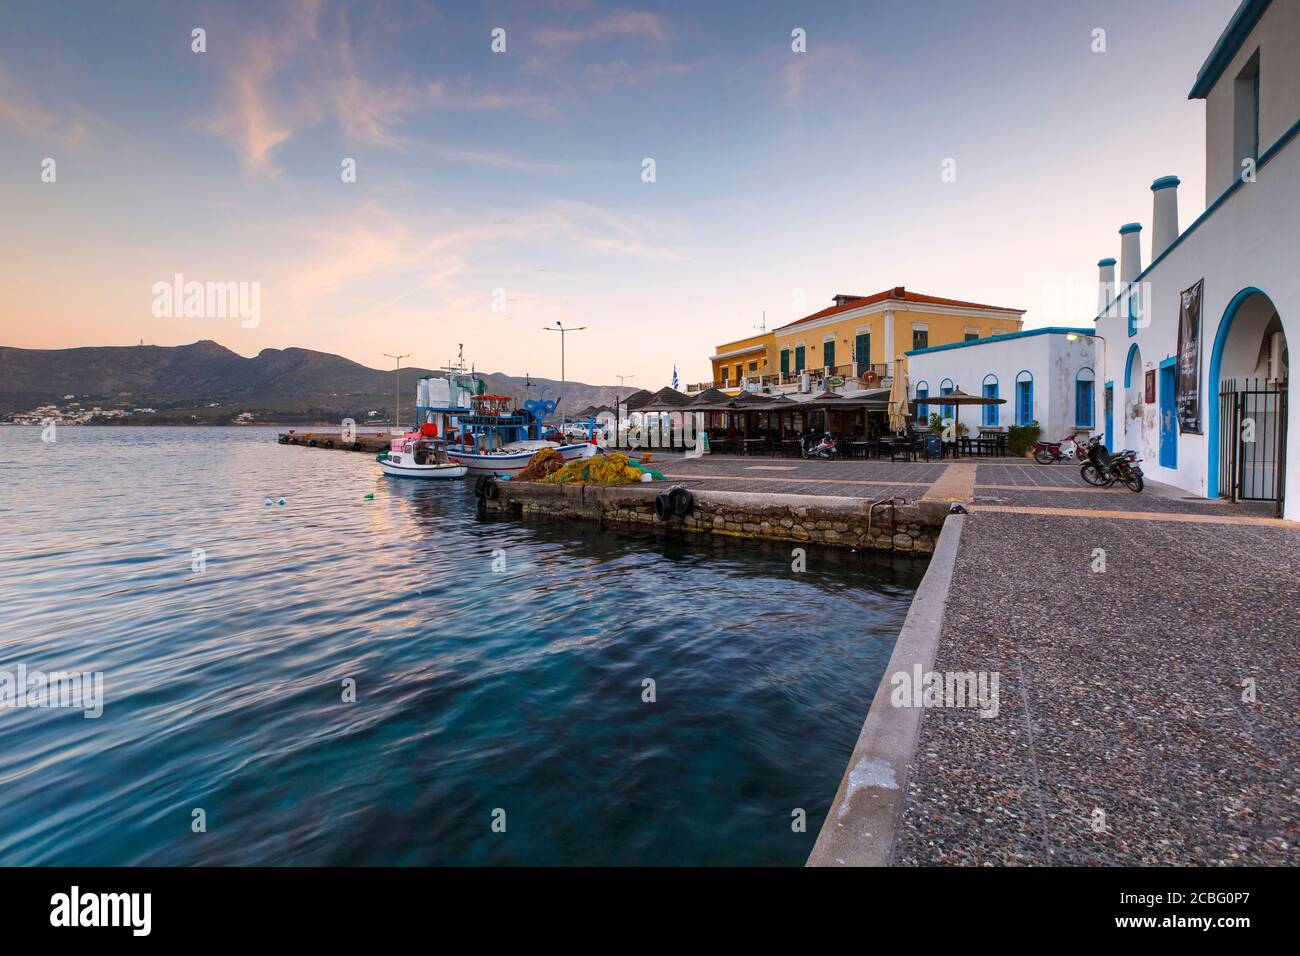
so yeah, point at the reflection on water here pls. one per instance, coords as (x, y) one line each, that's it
(518, 690)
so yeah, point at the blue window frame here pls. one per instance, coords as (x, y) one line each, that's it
(922, 393)
(990, 417)
(1132, 314)
(945, 388)
(1083, 399)
(1024, 398)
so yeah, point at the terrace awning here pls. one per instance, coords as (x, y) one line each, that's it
(876, 398)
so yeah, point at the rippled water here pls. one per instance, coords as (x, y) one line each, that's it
(476, 691)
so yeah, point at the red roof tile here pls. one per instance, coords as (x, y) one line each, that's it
(898, 293)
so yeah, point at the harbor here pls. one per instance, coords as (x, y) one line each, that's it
(494, 663)
(602, 441)
(1074, 782)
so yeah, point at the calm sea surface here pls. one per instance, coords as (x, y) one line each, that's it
(476, 691)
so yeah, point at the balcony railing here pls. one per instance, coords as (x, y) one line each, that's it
(852, 376)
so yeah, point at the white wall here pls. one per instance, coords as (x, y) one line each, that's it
(1277, 37)
(1053, 361)
(1251, 240)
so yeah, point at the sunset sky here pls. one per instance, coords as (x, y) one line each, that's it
(775, 171)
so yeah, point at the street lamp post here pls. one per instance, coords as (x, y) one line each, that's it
(618, 402)
(562, 330)
(397, 387)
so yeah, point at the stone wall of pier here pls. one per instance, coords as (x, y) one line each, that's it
(911, 526)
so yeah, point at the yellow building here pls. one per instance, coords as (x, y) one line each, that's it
(856, 337)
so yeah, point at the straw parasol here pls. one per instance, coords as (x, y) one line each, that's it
(667, 399)
(958, 398)
(710, 396)
(898, 398)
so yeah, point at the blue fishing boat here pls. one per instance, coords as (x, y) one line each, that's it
(497, 438)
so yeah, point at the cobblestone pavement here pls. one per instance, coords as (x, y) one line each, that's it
(794, 476)
(1121, 736)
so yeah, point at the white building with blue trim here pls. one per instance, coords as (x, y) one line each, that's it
(1195, 362)
(1046, 376)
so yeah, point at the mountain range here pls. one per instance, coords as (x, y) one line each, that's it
(207, 383)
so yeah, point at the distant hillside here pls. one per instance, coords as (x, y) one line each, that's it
(207, 383)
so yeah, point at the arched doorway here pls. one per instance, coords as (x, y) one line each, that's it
(1249, 378)
(1133, 410)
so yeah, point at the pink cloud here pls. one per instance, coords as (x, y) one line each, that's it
(20, 110)
(618, 23)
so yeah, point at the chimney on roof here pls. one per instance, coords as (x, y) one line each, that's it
(898, 293)
(1105, 284)
(1164, 218)
(1130, 252)
(843, 299)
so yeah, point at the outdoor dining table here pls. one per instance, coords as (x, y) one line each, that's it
(896, 446)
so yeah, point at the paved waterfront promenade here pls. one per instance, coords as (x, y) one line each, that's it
(1121, 691)
(1121, 735)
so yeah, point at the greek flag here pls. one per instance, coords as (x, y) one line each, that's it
(674, 376)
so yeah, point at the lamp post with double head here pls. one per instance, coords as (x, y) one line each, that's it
(562, 330)
(397, 388)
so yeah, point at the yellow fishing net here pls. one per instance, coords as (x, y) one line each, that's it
(611, 469)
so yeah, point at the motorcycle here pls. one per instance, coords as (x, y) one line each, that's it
(820, 446)
(1047, 452)
(1103, 469)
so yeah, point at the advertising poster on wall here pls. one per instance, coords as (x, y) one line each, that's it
(1188, 388)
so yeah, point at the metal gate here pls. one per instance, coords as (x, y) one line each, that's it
(1252, 441)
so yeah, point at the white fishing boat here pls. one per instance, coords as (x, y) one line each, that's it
(498, 438)
(414, 456)
(512, 458)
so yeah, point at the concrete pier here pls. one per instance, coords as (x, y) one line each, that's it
(372, 442)
(893, 524)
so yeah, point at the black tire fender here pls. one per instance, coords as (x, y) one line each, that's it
(682, 501)
(663, 506)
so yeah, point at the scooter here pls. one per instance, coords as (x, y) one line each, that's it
(1103, 469)
(1046, 452)
(820, 446)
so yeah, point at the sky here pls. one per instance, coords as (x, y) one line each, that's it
(499, 192)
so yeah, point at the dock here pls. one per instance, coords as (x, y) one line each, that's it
(371, 442)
